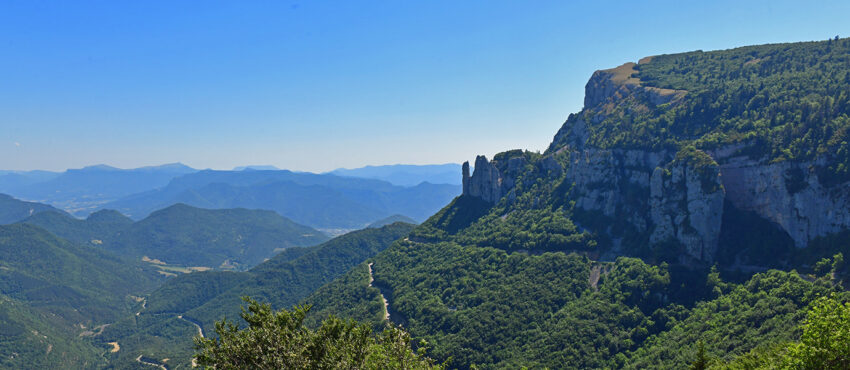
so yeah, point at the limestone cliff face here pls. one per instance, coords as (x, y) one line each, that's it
(687, 209)
(667, 199)
(674, 199)
(789, 194)
(676, 202)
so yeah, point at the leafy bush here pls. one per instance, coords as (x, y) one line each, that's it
(279, 340)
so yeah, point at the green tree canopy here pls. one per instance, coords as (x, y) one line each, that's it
(825, 343)
(279, 340)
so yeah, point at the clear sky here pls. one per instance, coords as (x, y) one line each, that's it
(317, 85)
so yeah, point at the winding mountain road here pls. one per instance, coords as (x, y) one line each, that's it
(139, 359)
(193, 322)
(384, 299)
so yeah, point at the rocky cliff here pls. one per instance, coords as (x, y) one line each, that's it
(788, 194)
(674, 198)
(486, 181)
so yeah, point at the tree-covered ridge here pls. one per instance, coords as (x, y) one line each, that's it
(94, 230)
(181, 235)
(206, 297)
(781, 101)
(30, 339)
(13, 210)
(495, 309)
(230, 238)
(77, 283)
(56, 295)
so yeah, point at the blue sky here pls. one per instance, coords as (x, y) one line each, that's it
(319, 85)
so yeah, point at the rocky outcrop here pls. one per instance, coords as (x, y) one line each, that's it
(615, 84)
(572, 135)
(674, 201)
(485, 182)
(603, 178)
(610, 84)
(495, 179)
(465, 179)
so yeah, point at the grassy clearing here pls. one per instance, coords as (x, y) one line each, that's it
(172, 270)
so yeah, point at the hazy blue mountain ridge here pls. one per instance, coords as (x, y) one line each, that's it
(80, 191)
(406, 174)
(321, 201)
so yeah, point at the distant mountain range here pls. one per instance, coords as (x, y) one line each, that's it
(407, 174)
(335, 202)
(80, 191)
(322, 201)
(256, 168)
(19, 179)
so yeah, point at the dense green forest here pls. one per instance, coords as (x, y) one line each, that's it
(206, 297)
(783, 101)
(30, 338)
(279, 340)
(487, 307)
(55, 295)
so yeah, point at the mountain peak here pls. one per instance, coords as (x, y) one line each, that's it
(262, 167)
(176, 166)
(99, 167)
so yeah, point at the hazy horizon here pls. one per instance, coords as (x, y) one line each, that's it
(235, 168)
(320, 86)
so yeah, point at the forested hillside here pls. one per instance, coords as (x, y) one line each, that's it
(496, 309)
(55, 295)
(710, 167)
(224, 238)
(186, 236)
(13, 210)
(165, 326)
